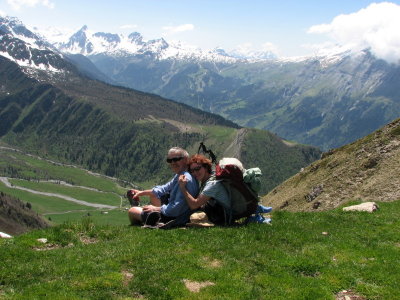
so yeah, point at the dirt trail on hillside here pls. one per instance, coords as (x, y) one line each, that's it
(81, 202)
(233, 150)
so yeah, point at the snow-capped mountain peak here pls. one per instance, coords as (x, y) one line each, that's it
(28, 49)
(136, 38)
(87, 43)
(15, 28)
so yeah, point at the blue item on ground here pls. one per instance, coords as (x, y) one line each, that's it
(258, 217)
(261, 209)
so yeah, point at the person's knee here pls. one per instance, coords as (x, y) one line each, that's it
(134, 209)
(134, 213)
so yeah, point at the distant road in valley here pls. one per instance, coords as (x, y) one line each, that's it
(103, 206)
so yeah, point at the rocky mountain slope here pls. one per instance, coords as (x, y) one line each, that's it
(17, 217)
(366, 170)
(327, 101)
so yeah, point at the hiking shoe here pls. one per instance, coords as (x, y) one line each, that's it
(152, 218)
(256, 219)
(168, 225)
(261, 209)
(267, 221)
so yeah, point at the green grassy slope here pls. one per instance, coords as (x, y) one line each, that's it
(45, 176)
(301, 256)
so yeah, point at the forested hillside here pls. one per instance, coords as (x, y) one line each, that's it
(122, 132)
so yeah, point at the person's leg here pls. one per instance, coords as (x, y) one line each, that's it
(135, 215)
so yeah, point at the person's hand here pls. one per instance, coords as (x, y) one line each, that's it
(138, 193)
(150, 208)
(182, 180)
(133, 194)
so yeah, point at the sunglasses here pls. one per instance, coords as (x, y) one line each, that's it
(174, 159)
(195, 169)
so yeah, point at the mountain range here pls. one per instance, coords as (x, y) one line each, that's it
(326, 101)
(52, 107)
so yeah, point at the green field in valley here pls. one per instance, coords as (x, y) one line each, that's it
(62, 192)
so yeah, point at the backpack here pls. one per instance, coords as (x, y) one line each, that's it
(244, 201)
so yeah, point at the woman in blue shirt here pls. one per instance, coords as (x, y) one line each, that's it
(213, 197)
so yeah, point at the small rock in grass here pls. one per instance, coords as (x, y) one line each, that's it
(5, 235)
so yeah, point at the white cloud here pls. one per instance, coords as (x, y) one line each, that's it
(128, 26)
(249, 47)
(245, 47)
(17, 4)
(375, 27)
(2, 14)
(55, 34)
(177, 29)
(246, 50)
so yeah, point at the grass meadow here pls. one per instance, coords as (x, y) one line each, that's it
(301, 256)
(94, 254)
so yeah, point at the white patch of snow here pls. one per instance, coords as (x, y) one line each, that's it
(30, 64)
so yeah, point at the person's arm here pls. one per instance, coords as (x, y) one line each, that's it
(161, 190)
(177, 204)
(154, 200)
(192, 202)
(151, 208)
(143, 193)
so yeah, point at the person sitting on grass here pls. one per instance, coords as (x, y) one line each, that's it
(167, 203)
(213, 197)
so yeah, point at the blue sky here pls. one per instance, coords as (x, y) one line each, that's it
(286, 27)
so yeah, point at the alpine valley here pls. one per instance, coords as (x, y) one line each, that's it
(82, 121)
(51, 106)
(326, 101)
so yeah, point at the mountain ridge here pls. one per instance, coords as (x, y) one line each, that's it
(326, 100)
(88, 43)
(365, 170)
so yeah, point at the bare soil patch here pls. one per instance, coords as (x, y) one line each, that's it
(195, 286)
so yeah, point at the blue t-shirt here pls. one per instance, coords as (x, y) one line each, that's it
(177, 204)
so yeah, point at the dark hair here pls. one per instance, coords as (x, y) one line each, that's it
(201, 160)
